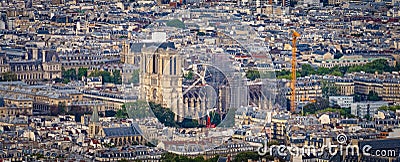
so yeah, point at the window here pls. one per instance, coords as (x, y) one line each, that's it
(174, 65)
(170, 66)
(154, 64)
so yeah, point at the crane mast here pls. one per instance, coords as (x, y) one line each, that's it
(293, 81)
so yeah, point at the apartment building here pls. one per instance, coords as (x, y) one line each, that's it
(364, 109)
(342, 101)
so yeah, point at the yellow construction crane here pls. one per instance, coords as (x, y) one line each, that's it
(294, 62)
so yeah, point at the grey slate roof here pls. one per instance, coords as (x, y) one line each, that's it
(122, 131)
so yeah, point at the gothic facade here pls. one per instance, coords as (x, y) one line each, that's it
(161, 78)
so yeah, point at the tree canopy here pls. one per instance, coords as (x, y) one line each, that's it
(82, 72)
(319, 104)
(138, 109)
(70, 74)
(8, 76)
(115, 78)
(135, 76)
(378, 65)
(122, 113)
(345, 112)
(252, 74)
(170, 157)
(391, 108)
(165, 116)
(373, 96)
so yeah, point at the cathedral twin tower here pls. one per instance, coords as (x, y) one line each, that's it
(161, 78)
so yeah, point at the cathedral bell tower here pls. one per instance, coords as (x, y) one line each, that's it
(125, 53)
(161, 78)
(94, 125)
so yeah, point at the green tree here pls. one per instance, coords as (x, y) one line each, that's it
(336, 73)
(171, 157)
(104, 74)
(138, 110)
(68, 75)
(214, 159)
(245, 156)
(82, 72)
(199, 159)
(358, 97)
(109, 113)
(122, 113)
(168, 157)
(8, 76)
(164, 115)
(323, 71)
(391, 108)
(106, 77)
(307, 70)
(189, 123)
(189, 75)
(135, 76)
(252, 74)
(367, 117)
(373, 96)
(95, 73)
(62, 108)
(285, 74)
(66, 80)
(216, 118)
(117, 78)
(313, 107)
(379, 65)
(345, 112)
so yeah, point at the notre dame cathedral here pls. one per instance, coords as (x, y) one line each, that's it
(161, 77)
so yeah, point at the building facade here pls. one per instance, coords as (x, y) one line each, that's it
(16, 105)
(387, 86)
(342, 101)
(366, 109)
(161, 78)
